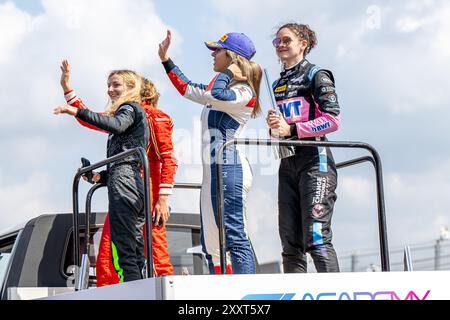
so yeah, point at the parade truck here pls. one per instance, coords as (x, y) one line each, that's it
(53, 256)
(36, 258)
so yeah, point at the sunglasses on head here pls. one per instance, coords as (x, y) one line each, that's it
(278, 41)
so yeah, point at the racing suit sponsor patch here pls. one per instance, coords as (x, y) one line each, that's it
(332, 98)
(326, 79)
(321, 190)
(291, 94)
(321, 127)
(327, 89)
(290, 108)
(281, 89)
(318, 210)
(298, 79)
(290, 72)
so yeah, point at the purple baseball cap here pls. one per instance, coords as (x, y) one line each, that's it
(237, 42)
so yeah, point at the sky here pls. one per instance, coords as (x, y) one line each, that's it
(390, 61)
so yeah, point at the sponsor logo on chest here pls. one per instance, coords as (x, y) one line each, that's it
(298, 79)
(281, 88)
(291, 109)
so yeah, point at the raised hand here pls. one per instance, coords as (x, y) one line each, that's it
(65, 75)
(164, 46)
(65, 109)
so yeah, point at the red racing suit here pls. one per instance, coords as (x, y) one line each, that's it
(163, 166)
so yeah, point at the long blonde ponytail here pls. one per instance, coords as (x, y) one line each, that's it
(252, 71)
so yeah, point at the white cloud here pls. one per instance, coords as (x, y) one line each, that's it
(409, 24)
(248, 10)
(188, 145)
(414, 204)
(31, 151)
(440, 45)
(14, 25)
(412, 17)
(419, 209)
(187, 200)
(22, 201)
(393, 58)
(357, 190)
(262, 222)
(428, 20)
(95, 36)
(441, 222)
(377, 50)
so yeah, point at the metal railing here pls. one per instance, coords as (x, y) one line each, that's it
(407, 260)
(87, 234)
(147, 205)
(375, 160)
(82, 278)
(352, 162)
(194, 186)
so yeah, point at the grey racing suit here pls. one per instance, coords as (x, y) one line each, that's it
(128, 129)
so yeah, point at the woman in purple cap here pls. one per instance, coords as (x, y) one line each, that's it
(307, 100)
(230, 99)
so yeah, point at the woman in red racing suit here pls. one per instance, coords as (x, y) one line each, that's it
(163, 166)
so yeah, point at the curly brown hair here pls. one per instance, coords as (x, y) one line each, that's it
(302, 31)
(149, 94)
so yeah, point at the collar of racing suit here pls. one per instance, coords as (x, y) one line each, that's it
(298, 68)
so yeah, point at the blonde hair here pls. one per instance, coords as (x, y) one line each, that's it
(149, 94)
(133, 83)
(252, 71)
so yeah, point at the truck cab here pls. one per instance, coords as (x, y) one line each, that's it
(37, 256)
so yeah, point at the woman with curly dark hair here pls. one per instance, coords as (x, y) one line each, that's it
(308, 109)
